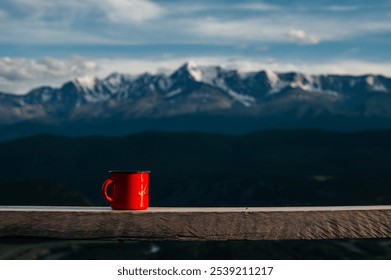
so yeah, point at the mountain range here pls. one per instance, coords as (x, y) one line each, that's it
(202, 98)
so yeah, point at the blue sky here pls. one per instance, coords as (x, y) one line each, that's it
(50, 41)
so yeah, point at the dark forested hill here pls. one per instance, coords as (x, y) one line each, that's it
(268, 168)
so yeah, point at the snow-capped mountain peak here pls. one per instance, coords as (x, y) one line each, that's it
(117, 82)
(114, 79)
(86, 82)
(194, 71)
(374, 84)
(303, 82)
(272, 78)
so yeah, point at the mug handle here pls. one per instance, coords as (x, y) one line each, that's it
(105, 186)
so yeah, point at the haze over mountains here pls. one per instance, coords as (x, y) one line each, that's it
(193, 94)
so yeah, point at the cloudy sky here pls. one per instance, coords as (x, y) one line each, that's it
(51, 41)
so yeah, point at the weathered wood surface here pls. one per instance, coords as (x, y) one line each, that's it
(197, 223)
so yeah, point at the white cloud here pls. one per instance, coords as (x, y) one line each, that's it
(261, 30)
(239, 29)
(134, 11)
(282, 28)
(74, 21)
(343, 67)
(375, 26)
(149, 22)
(3, 14)
(338, 8)
(19, 75)
(257, 6)
(300, 37)
(248, 30)
(176, 7)
(116, 11)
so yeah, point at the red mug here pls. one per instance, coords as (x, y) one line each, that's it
(129, 190)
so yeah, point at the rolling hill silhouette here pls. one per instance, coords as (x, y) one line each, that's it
(270, 168)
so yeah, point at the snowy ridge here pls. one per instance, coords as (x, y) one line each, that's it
(116, 82)
(309, 83)
(124, 86)
(209, 74)
(375, 84)
(193, 89)
(194, 71)
(272, 78)
(173, 93)
(244, 99)
(86, 82)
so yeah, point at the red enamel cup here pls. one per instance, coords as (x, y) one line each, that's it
(129, 189)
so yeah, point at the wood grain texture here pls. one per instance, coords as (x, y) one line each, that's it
(197, 223)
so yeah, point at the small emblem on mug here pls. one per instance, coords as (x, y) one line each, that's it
(143, 191)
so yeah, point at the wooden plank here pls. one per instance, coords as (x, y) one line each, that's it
(276, 223)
